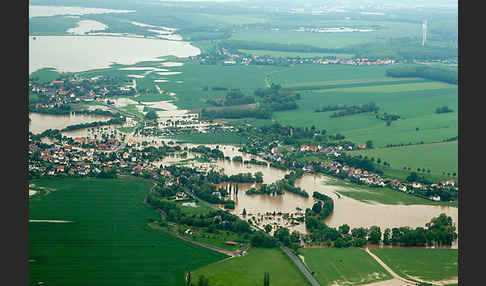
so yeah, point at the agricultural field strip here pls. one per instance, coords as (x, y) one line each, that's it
(332, 266)
(348, 81)
(386, 88)
(436, 266)
(353, 86)
(101, 189)
(387, 268)
(441, 156)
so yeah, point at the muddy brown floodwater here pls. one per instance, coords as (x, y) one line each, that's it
(41, 122)
(346, 210)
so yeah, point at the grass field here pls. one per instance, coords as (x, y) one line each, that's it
(249, 270)
(402, 175)
(306, 73)
(109, 241)
(195, 77)
(51, 26)
(438, 157)
(126, 129)
(415, 100)
(331, 40)
(188, 85)
(425, 263)
(227, 19)
(346, 266)
(382, 195)
(45, 75)
(251, 121)
(321, 40)
(132, 108)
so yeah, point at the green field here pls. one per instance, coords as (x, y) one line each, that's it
(425, 263)
(188, 85)
(132, 108)
(321, 40)
(127, 130)
(390, 88)
(249, 270)
(45, 75)
(195, 77)
(438, 157)
(109, 241)
(51, 26)
(227, 19)
(382, 195)
(385, 30)
(415, 100)
(250, 121)
(346, 266)
(305, 73)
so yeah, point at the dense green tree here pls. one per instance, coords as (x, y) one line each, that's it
(374, 236)
(369, 144)
(203, 281)
(386, 237)
(151, 115)
(317, 207)
(344, 229)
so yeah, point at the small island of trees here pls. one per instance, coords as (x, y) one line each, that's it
(443, 109)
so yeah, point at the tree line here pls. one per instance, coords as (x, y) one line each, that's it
(233, 97)
(443, 109)
(431, 73)
(117, 120)
(351, 110)
(440, 231)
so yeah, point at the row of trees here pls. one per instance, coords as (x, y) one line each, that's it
(439, 231)
(431, 73)
(359, 162)
(276, 99)
(443, 109)
(330, 108)
(116, 120)
(233, 97)
(351, 110)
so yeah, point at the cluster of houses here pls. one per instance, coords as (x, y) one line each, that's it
(244, 59)
(448, 185)
(60, 92)
(329, 150)
(73, 159)
(354, 174)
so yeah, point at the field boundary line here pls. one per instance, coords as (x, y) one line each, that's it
(389, 270)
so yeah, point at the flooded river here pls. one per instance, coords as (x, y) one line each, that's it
(41, 122)
(346, 210)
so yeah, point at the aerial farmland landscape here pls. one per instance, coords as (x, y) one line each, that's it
(216, 143)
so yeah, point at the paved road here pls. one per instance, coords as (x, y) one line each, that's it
(121, 147)
(300, 265)
(289, 253)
